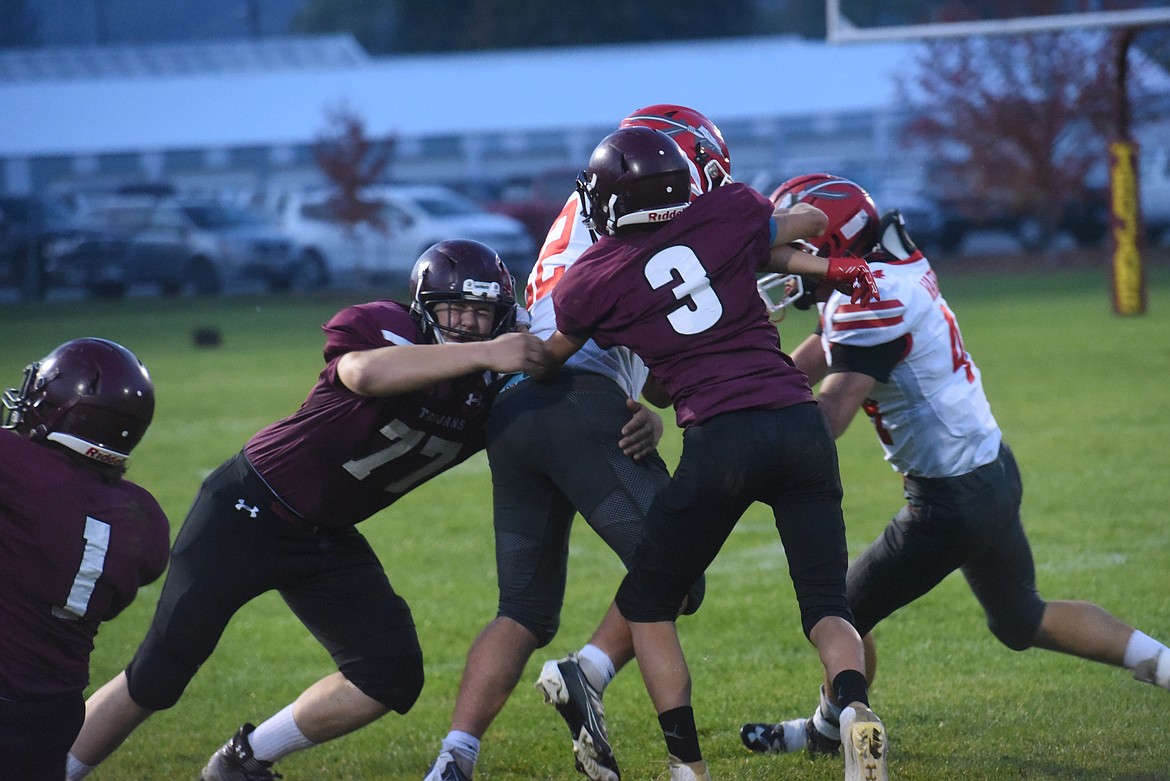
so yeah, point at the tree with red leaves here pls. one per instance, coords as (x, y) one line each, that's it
(1017, 121)
(351, 161)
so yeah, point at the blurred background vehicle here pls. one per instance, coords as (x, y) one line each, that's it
(188, 245)
(406, 219)
(535, 200)
(42, 239)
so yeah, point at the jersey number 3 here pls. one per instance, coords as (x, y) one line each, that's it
(699, 307)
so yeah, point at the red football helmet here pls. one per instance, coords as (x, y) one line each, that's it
(698, 138)
(92, 396)
(853, 218)
(636, 176)
(461, 270)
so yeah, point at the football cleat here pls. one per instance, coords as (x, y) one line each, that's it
(446, 769)
(1155, 670)
(234, 761)
(688, 771)
(863, 737)
(564, 685)
(821, 734)
(787, 737)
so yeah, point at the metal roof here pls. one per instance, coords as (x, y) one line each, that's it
(178, 107)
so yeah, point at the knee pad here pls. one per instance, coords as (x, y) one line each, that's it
(157, 683)
(542, 626)
(394, 681)
(1017, 630)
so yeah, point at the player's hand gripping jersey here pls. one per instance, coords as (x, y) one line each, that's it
(567, 239)
(342, 457)
(928, 405)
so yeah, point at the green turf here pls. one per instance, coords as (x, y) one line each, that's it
(1082, 397)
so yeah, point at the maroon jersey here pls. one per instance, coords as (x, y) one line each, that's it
(683, 297)
(74, 549)
(342, 457)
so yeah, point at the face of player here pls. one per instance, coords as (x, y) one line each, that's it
(464, 321)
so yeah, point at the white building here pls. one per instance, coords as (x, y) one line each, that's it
(244, 115)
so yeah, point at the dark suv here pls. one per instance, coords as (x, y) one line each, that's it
(197, 246)
(41, 238)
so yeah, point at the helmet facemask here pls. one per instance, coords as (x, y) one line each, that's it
(474, 291)
(458, 271)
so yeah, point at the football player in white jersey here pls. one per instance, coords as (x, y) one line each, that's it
(902, 361)
(589, 411)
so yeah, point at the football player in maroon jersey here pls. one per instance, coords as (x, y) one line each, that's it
(579, 443)
(676, 282)
(77, 539)
(403, 396)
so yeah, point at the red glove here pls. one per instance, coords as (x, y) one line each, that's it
(852, 276)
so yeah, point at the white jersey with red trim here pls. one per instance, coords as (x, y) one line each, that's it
(932, 417)
(567, 239)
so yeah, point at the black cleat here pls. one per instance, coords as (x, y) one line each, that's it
(234, 761)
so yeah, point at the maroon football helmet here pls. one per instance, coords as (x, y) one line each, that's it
(853, 218)
(698, 138)
(461, 270)
(636, 176)
(90, 395)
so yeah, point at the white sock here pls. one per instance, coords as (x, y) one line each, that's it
(278, 737)
(466, 744)
(75, 769)
(596, 666)
(827, 718)
(1149, 659)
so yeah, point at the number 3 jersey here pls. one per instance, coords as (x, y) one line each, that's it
(342, 457)
(75, 547)
(683, 297)
(930, 412)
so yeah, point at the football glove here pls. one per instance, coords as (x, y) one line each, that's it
(852, 277)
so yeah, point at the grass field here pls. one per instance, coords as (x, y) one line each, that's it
(1081, 395)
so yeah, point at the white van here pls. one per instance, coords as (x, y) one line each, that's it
(407, 220)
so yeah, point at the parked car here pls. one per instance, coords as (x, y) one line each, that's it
(193, 245)
(407, 219)
(44, 237)
(536, 201)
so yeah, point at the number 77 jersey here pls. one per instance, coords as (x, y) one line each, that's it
(342, 457)
(931, 415)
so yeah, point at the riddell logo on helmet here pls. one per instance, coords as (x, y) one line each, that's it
(664, 216)
(106, 457)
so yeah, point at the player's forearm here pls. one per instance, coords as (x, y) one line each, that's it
(389, 371)
(802, 221)
(786, 259)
